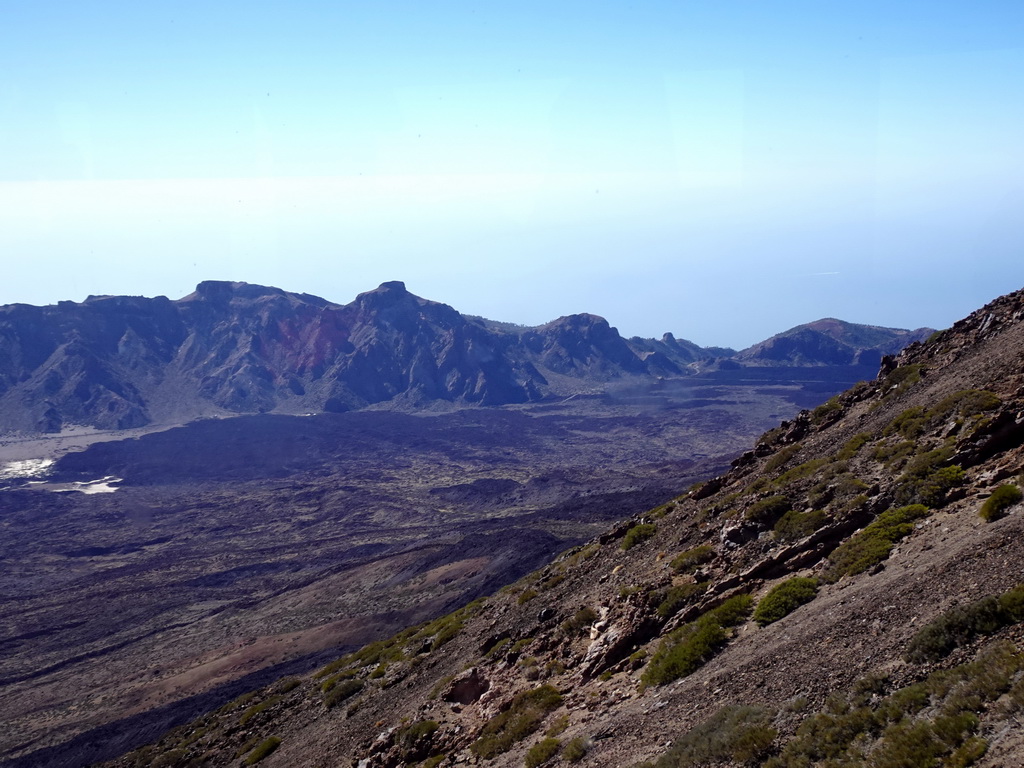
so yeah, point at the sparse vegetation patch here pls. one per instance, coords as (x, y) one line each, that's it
(693, 644)
(264, 749)
(785, 598)
(961, 624)
(1002, 498)
(736, 734)
(522, 718)
(930, 723)
(873, 544)
(541, 752)
(795, 525)
(638, 534)
(768, 510)
(692, 559)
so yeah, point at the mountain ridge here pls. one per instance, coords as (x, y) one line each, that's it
(119, 362)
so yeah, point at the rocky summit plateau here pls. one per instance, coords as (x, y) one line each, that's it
(850, 592)
(202, 495)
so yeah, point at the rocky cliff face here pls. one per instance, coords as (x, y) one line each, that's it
(848, 593)
(115, 362)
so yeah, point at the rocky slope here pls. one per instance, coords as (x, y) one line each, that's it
(846, 594)
(118, 362)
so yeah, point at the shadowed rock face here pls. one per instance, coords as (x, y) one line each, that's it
(116, 362)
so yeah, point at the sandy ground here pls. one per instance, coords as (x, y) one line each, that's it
(26, 447)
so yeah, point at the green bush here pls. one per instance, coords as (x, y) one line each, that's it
(873, 544)
(781, 457)
(800, 471)
(785, 598)
(676, 597)
(1002, 498)
(831, 407)
(901, 379)
(541, 752)
(254, 710)
(734, 734)
(933, 489)
(893, 454)
(526, 596)
(909, 424)
(692, 645)
(265, 748)
(956, 627)
(638, 533)
(961, 624)
(928, 723)
(1011, 603)
(522, 718)
(768, 510)
(795, 525)
(581, 620)
(343, 690)
(852, 446)
(575, 750)
(690, 560)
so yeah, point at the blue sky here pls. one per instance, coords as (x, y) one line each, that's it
(721, 170)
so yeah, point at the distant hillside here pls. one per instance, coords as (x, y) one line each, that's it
(831, 342)
(850, 592)
(117, 362)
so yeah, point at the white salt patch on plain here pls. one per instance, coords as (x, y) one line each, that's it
(93, 486)
(25, 468)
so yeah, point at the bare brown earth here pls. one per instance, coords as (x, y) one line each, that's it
(237, 550)
(858, 626)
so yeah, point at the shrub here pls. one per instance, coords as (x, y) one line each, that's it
(343, 690)
(522, 718)
(966, 403)
(254, 710)
(962, 623)
(853, 446)
(782, 457)
(826, 410)
(925, 724)
(582, 619)
(768, 510)
(785, 598)
(933, 489)
(795, 525)
(737, 734)
(692, 645)
(526, 596)
(575, 750)
(541, 752)
(873, 544)
(1011, 603)
(676, 597)
(910, 423)
(800, 471)
(638, 534)
(265, 748)
(892, 455)
(1002, 498)
(692, 559)
(901, 379)
(558, 726)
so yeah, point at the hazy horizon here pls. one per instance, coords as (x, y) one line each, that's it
(719, 171)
